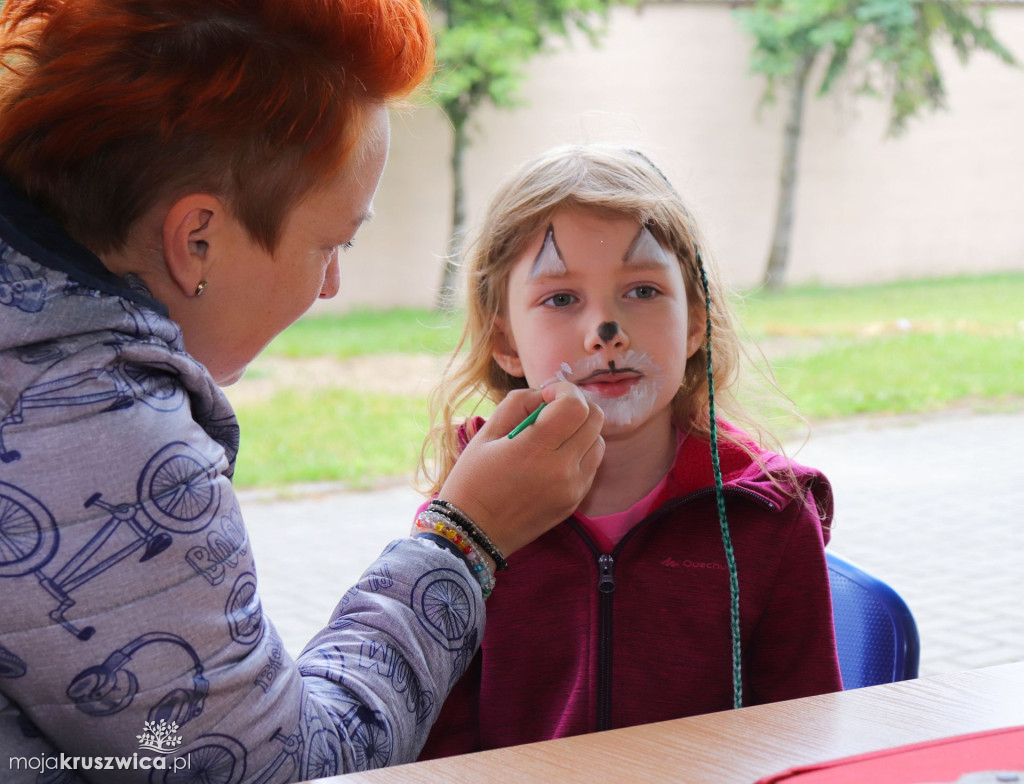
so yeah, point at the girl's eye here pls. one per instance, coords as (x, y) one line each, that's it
(560, 300)
(348, 245)
(643, 292)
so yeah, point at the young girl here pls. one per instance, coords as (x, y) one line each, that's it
(692, 578)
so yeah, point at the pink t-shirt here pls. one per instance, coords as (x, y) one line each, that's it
(608, 530)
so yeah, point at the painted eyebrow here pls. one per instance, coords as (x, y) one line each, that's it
(645, 252)
(549, 262)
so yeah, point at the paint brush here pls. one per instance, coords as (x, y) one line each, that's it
(528, 421)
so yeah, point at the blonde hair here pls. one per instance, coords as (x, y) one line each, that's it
(608, 179)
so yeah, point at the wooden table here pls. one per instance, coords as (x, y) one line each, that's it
(744, 745)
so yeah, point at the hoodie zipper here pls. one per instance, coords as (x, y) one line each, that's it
(605, 588)
(606, 591)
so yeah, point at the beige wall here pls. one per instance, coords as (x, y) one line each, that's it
(947, 197)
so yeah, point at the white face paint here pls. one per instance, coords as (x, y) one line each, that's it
(624, 394)
(549, 260)
(646, 249)
(619, 329)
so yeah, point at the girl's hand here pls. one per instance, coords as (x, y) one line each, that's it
(516, 489)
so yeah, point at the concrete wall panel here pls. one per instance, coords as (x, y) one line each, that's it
(944, 198)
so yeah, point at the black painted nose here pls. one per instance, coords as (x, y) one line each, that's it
(608, 330)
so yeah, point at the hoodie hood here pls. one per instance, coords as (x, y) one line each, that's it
(748, 469)
(109, 325)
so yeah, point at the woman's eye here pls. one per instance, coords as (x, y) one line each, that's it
(560, 300)
(332, 253)
(341, 247)
(643, 292)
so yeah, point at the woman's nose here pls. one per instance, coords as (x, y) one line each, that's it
(332, 280)
(607, 334)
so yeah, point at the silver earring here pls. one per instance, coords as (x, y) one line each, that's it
(201, 287)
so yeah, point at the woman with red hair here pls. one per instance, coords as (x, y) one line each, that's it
(177, 178)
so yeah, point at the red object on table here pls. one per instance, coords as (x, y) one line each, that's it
(943, 760)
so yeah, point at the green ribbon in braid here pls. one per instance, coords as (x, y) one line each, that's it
(730, 555)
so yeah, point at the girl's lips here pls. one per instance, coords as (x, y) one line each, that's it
(604, 383)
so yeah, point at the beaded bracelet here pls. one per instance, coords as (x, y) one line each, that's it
(438, 525)
(472, 529)
(433, 522)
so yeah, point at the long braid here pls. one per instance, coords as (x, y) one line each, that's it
(730, 555)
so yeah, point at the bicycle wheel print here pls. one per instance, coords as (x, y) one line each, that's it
(160, 391)
(220, 760)
(372, 745)
(323, 755)
(446, 606)
(178, 481)
(244, 611)
(441, 600)
(28, 533)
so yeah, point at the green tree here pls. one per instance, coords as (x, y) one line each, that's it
(482, 50)
(886, 48)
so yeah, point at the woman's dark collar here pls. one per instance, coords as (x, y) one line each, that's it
(35, 234)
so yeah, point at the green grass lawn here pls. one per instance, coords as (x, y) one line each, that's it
(364, 333)
(836, 352)
(949, 303)
(897, 348)
(335, 435)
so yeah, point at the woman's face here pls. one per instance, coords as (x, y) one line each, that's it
(252, 295)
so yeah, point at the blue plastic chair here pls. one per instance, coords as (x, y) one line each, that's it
(875, 631)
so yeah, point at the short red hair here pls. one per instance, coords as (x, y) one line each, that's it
(108, 106)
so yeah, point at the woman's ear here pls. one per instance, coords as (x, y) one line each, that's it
(188, 232)
(503, 349)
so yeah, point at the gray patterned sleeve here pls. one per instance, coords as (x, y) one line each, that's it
(133, 634)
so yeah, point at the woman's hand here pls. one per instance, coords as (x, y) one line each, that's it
(516, 489)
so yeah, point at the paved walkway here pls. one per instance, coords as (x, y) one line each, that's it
(933, 505)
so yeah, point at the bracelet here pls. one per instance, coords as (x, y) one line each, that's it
(432, 523)
(471, 528)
